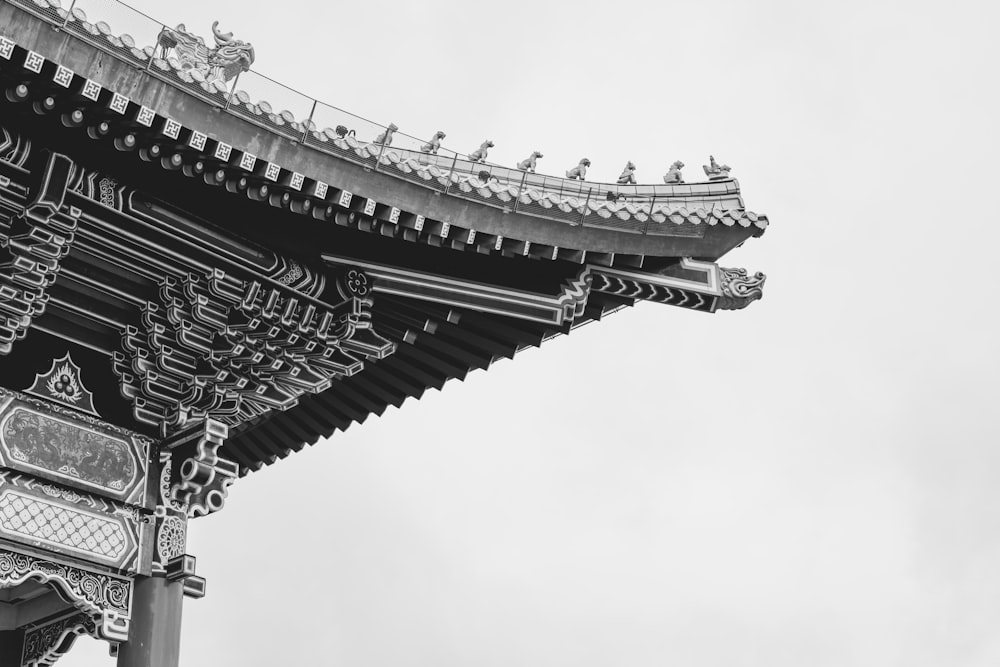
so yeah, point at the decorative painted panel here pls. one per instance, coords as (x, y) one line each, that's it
(55, 525)
(74, 450)
(85, 527)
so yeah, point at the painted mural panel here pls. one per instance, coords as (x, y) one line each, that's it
(74, 452)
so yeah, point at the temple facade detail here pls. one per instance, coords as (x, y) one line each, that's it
(186, 301)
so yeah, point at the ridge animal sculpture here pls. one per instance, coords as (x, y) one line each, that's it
(674, 175)
(479, 155)
(219, 65)
(385, 138)
(714, 170)
(579, 171)
(434, 144)
(530, 163)
(628, 174)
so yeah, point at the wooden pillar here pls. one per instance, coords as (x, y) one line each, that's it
(154, 638)
(11, 647)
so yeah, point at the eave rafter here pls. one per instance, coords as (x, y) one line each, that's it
(702, 286)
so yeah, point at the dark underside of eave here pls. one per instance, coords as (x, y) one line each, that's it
(435, 343)
(439, 351)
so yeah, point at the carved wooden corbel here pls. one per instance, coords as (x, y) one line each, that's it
(204, 479)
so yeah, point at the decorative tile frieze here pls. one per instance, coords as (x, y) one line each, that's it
(63, 76)
(222, 151)
(91, 90)
(197, 140)
(118, 104)
(33, 62)
(145, 116)
(171, 129)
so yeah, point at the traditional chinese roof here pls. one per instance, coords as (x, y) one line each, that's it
(161, 212)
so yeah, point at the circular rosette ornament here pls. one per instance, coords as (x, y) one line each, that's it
(355, 284)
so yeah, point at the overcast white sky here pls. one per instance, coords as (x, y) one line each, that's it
(812, 481)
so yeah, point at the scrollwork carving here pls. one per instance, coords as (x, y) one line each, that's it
(102, 597)
(739, 289)
(45, 644)
(205, 478)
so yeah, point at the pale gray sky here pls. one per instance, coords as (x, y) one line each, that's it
(811, 481)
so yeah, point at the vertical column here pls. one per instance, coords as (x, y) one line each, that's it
(154, 638)
(11, 647)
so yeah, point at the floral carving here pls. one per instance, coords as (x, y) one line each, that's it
(62, 383)
(354, 283)
(171, 539)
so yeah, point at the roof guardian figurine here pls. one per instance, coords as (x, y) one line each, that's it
(385, 139)
(579, 171)
(714, 170)
(530, 163)
(674, 175)
(628, 175)
(479, 155)
(434, 144)
(219, 65)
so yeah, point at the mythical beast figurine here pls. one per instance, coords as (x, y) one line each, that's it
(529, 163)
(479, 155)
(579, 171)
(219, 65)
